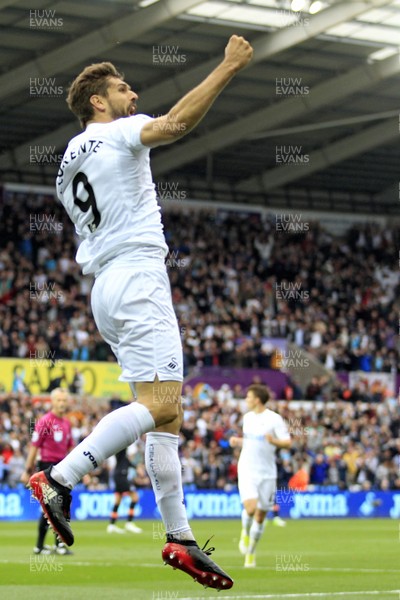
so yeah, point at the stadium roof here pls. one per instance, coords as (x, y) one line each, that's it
(313, 122)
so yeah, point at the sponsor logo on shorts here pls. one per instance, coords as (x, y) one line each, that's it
(173, 363)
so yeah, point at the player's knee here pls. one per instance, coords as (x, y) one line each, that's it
(259, 516)
(166, 412)
(250, 507)
(163, 400)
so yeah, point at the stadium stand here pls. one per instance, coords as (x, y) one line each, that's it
(258, 282)
(345, 445)
(225, 271)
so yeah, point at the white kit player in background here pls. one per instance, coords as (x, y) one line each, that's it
(105, 184)
(264, 431)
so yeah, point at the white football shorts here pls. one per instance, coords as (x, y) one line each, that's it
(257, 487)
(133, 311)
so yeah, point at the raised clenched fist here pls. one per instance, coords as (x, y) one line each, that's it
(238, 52)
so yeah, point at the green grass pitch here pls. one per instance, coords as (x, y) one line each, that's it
(344, 559)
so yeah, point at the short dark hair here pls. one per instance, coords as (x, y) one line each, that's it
(260, 391)
(94, 79)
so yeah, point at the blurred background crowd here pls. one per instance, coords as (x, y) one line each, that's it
(236, 281)
(347, 445)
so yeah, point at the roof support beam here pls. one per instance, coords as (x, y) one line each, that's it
(264, 47)
(121, 30)
(323, 94)
(5, 3)
(324, 157)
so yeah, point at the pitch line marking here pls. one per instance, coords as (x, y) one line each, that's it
(306, 595)
(79, 563)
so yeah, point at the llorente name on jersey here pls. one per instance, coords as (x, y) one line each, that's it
(85, 148)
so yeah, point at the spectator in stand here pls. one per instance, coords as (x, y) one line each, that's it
(226, 312)
(313, 389)
(76, 387)
(350, 458)
(299, 481)
(141, 479)
(16, 466)
(319, 470)
(190, 469)
(4, 468)
(344, 433)
(212, 475)
(7, 453)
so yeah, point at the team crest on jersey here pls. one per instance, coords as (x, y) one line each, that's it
(58, 435)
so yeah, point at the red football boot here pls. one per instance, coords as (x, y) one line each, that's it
(55, 500)
(188, 557)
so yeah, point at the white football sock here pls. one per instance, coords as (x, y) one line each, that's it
(256, 531)
(165, 471)
(114, 432)
(246, 521)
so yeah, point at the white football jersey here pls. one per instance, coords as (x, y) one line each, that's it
(257, 456)
(106, 187)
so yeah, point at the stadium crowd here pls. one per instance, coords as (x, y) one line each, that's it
(236, 280)
(348, 445)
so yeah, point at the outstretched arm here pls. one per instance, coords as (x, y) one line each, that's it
(190, 110)
(287, 443)
(236, 442)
